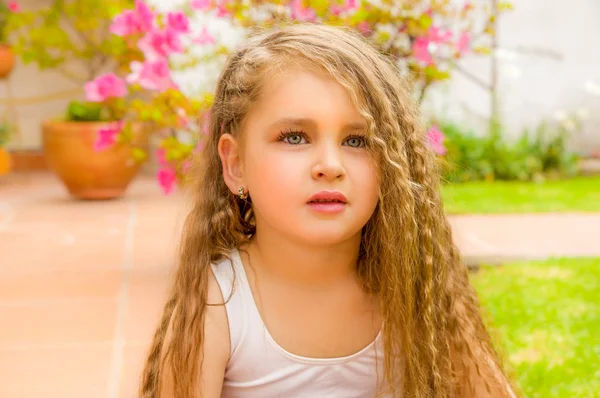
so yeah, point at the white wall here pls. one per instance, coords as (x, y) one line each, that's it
(550, 51)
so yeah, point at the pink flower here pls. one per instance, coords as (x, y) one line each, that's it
(131, 22)
(107, 136)
(161, 156)
(178, 22)
(351, 4)
(167, 178)
(420, 50)
(13, 6)
(436, 35)
(222, 10)
(336, 9)
(151, 75)
(464, 43)
(145, 15)
(200, 4)
(204, 37)
(124, 24)
(364, 27)
(436, 140)
(104, 87)
(182, 118)
(161, 43)
(301, 13)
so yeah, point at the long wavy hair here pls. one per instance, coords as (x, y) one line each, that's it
(433, 328)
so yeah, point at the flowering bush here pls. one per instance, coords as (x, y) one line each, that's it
(147, 93)
(7, 9)
(70, 37)
(426, 37)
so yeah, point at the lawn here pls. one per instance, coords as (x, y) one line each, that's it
(548, 316)
(577, 194)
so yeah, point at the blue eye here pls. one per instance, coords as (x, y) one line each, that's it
(356, 141)
(293, 137)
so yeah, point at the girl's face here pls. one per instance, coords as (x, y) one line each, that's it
(305, 137)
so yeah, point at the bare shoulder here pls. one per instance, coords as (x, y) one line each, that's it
(216, 325)
(215, 346)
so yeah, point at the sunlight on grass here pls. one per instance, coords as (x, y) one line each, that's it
(548, 317)
(577, 194)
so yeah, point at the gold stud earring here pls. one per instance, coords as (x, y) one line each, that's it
(241, 193)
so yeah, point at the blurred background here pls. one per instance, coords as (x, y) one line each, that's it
(103, 104)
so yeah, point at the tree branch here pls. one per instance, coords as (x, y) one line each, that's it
(480, 82)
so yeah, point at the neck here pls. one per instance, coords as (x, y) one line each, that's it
(303, 264)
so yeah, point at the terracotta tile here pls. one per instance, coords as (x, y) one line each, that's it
(55, 372)
(32, 284)
(155, 244)
(162, 254)
(60, 248)
(147, 296)
(61, 209)
(57, 321)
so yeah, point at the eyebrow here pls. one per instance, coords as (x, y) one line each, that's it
(313, 123)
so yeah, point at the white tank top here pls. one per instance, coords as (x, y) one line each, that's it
(258, 367)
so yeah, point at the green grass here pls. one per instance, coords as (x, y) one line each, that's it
(547, 315)
(577, 194)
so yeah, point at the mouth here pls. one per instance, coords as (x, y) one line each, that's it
(328, 197)
(328, 202)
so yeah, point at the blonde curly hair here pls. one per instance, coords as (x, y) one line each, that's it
(434, 338)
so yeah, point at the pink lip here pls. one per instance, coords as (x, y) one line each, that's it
(329, 195)
(337, 202)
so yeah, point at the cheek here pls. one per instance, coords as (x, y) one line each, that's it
(275, 177)
(365, 178)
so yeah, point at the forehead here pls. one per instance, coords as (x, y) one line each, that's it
(303, 93)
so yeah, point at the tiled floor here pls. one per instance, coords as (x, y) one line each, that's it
(82, 284)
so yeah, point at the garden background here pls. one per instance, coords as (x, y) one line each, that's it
(104, 104)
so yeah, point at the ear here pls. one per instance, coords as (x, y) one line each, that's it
(233, 172)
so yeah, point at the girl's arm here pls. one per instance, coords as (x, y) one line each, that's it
(215, 348)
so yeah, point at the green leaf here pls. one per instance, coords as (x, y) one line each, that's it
(84, 111)
(139, 154)
(425, 21)
(505, 6)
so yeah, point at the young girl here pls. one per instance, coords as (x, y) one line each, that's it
(317, 260)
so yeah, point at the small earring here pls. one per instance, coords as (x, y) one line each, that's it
(241, 193)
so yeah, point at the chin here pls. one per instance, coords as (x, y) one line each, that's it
(323, 236)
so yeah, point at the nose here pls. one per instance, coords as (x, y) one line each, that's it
(328, 163)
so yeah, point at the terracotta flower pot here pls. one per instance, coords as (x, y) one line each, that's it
(89, 174)
(7, 60)
(5, 162)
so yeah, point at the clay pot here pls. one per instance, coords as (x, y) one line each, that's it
(5, 162)
(88, 174)
(7, 60)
